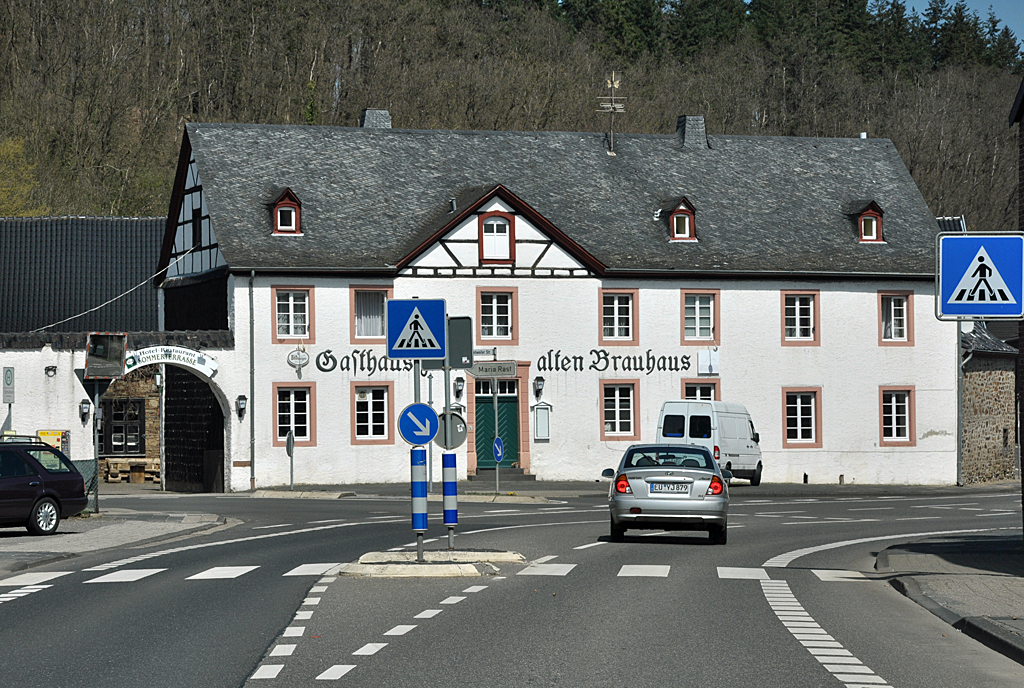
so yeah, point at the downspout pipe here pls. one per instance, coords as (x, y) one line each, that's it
(252, 389)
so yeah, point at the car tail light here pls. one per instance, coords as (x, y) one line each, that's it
(717, 455)
(622, 485)
(716, 487)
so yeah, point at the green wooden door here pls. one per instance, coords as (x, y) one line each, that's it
(508, 430)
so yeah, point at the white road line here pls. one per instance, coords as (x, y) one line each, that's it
(401, 629)
(531, 525)
(547, 570)
(370, 649)
(318, 588)
(741, 573)
(329, 520)
(311, 569)
(221, 572)
(544, 559)
(873, 508)
(283, 651)
(278, 525)
(919, 518)
(336, 672)
(32, 578)
(428, 614)
(268, 671)
(835, 575)
(125, 576)
(503, 511)
(591, 544)
(785, 559)
(304, 616)
(475, 588)
(294, 632)
(311, 601)
(454, 599)
(643, 571)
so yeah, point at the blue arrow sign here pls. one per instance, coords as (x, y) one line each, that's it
(980, 276)
(499, 450)
(418, 424)
(415, 328)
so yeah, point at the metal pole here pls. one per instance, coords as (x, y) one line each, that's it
(96, 438)
(447, 389)
(430, 447)
(959, 404)
(416, 378)
(252, 389)
(494, 402)
(418, 461)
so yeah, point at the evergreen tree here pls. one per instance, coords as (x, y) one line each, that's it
(693, 25)
(632, 27)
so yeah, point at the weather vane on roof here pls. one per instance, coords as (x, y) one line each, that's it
(611, 104)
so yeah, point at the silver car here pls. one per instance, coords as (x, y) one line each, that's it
(669, 487)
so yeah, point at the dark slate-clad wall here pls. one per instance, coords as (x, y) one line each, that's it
(57, 267)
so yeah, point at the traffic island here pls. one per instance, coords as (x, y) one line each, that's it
(436, 564)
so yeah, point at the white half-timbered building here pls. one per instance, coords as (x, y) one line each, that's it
(792, 275)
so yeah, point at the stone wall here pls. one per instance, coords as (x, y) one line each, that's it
(140, 384)
(988, 419)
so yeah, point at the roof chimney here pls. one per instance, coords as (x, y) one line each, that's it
(375, 119)
(690, 129)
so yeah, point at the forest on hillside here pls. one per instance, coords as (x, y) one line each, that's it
(92, 101)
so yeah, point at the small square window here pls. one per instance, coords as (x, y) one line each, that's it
(366, 312)
(618, 317)
(292, 314)
(701, 390)
(682, 226)
(286, 219)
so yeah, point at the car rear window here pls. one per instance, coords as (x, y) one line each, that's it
(676, 457)
(700, 427)
(52, 461)
(13, 466)
(674, 426)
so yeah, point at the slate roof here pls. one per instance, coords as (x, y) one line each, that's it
(982, 341)
(1017, 111)
(53, 268)
(764, 205)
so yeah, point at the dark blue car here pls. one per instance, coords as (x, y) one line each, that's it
(38, 487)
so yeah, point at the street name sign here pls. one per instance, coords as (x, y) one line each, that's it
(417, 424)
(979, 276)
(493, 369)
(459, 432)
(415, 328)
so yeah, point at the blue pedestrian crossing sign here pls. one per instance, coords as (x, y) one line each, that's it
(418, 424)
(415, 328)
(979, 276)
(499, 450)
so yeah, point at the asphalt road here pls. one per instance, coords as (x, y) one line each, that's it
(682, 621)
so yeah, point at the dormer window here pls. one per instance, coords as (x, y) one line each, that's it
(869, 221)
(497, 238)
(870, 228)
(681, 222)
(287, 214)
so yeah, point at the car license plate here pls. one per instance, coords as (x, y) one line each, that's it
(678, 488)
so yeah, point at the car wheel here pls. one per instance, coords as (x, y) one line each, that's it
(618, 532)
(718, 535)
(755, 479)
(45, 517)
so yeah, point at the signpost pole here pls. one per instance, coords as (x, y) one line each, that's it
(494, 402)
(430, 448)
(289, 445)
(96, 412)
(418, 457)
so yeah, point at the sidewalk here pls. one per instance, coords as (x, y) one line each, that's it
(975, 583)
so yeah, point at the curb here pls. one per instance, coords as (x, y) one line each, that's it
(319, 494)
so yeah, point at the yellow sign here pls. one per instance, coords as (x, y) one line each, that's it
(54, 438)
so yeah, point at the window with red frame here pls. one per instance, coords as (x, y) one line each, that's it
(287, 214)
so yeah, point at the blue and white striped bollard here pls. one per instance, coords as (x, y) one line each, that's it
(419, 489)
(451, 495)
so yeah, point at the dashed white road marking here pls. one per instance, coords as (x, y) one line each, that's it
(125, 576)
(268, 671)
(454, 599)
(872, 508)
(283, 651)
(643, 571)
(276, 525)
(311, 569)
(741, 573)
(428, 614)
(336, 672)
(304, 616)
(311, 601)
(544, 559)
(503, 511)
(294, 632)
(222, 572)
(475, 588)
(370, 649)
(831, 576)
(401, 629)
(919, 518)
(591, 544)
(547, 570)
(318, 589)
(328, 520)
(32, 578)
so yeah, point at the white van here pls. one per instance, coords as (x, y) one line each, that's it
(725, 429)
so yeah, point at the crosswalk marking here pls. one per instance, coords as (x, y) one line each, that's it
(454, 599)
(303, 616)
(427, 614)
(370, 649)
(221, 572)
(401, 629)
(268, 671)
(742, 573)
(336, 672)
(294, 632)
(125, 576)
(475, 588)
(547, 570)
(311, 570)
(283, 651)
(644, 571)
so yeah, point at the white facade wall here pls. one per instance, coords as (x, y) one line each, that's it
(563, 315)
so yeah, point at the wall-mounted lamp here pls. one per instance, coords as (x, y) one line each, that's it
(158, 380)
(83, 409)
(459, 385)
(538, 386)
(240, 404)
(51, 371)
